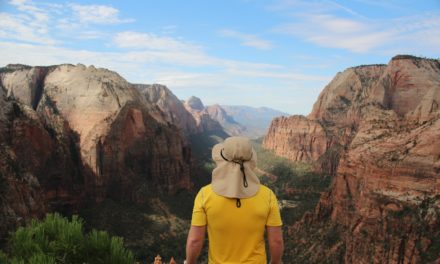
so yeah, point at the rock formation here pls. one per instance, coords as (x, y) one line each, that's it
(379, 128)
(203, 120)
(74, 132)
(171, 106)
(297, 138)
(40, 168)
(194, 103)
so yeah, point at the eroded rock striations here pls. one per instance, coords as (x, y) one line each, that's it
(168, 104)
(385, 200)
(297, 138)
(75, 133)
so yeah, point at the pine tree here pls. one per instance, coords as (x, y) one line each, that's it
(57, 240)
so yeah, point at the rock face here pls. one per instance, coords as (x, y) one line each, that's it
(39, 166)
(302, 139)
(171, 106)
(379, 132)
(387, 191)
(75, 132)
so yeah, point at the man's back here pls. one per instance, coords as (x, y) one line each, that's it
(236, 230)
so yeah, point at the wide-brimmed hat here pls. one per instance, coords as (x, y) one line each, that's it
(234, 175)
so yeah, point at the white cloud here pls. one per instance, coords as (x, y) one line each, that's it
(31, 26)
(50, 24)
(248, 39)
(333, 25)
(311, 7)
(334, 32)
(97, 14)
(131, 64)
(337, 25)
(138, 40)
(362, 35)
(29, 7)
(285, 75)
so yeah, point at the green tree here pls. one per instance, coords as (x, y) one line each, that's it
(58, 240)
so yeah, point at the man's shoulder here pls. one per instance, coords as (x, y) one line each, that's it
(206, 188)
(266, 189)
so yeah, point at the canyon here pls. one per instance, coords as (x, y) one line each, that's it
(76, 137)
(376, 130)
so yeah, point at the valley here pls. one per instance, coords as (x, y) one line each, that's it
(358, 179)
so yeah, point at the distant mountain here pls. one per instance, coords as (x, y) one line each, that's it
(256, 121)
(194, 103)
(228, 123)
(195, 106)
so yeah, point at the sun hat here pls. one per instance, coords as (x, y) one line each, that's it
(234, 175)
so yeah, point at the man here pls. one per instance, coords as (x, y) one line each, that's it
(236, 210)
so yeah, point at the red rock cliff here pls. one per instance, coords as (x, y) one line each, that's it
(297, 138)
(385, 199)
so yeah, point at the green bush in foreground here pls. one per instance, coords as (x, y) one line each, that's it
(58, 240)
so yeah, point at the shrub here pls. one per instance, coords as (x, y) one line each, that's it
(58, 240)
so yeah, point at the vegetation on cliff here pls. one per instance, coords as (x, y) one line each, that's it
(59, 240)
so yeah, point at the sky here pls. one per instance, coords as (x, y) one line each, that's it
(273, 53)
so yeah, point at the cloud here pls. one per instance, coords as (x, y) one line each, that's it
(332, 25)
(51, 24)
(29, 7)
(310, 7)
(97, 14)
(139, 40)
(248, 39)
(133, 64)
(30, 25)
(334, 32)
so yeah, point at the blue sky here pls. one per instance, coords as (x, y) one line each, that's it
(278, 54)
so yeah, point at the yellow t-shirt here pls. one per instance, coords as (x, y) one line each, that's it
(236, 235)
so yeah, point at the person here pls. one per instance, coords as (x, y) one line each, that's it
(235, 210)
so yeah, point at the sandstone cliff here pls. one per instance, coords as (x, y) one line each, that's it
(171, 106)
(40, 168)
(387, 191)
(76, 133)
(377, 128)
(301, 139)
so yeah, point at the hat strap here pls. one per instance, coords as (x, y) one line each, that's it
(240, 162)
